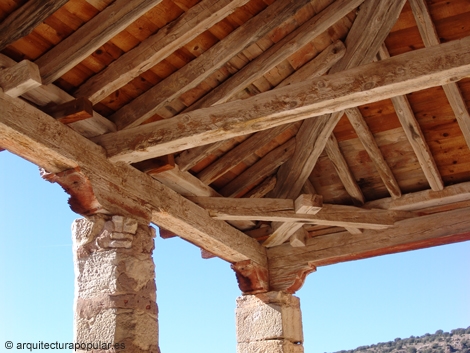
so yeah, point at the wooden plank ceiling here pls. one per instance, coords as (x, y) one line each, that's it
(262, 111)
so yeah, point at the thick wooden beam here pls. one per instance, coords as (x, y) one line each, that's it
(192, 74)
(398, 75)
(47, 94)
(410, 234)
(266, 166)
(120, 189)
(363, 41)
(22, 21)
(278, 52)
(154, 49)
(314, 68)
(262, 189)
(431, 38)
(89, 37)
(70, 112)
(20, 78)
(276, 211)
(370, 145)
(415, 135)
(451, 194)
(187, 184)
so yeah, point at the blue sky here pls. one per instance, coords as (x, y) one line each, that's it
(343, 306)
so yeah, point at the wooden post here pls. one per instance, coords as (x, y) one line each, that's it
(115, 293)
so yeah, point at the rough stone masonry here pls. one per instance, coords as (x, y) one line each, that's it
(115, 292)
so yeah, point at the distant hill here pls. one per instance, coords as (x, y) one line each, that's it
(455, 341)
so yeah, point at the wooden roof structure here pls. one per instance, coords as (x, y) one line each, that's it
(278, 135)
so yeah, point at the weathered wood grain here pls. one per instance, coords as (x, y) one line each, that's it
(157, 47)
(398, 75)
(278, 52)
(120, 189)
(192, 74)
(89, 37)
(430, 38)
(21, 22)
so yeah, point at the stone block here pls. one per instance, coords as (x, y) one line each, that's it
(269, 316)
(272, 346)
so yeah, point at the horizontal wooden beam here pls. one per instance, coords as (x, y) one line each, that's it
(424, 199)
(398, 75)
(89, 37)
(277, 210)
(410, 234)
(157, 47)
(23, 20)
(195, 72)
(20, 78)
(120, 189)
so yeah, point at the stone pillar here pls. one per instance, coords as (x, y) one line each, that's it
(115, 292)
(269, 323)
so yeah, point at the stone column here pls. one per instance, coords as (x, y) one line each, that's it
(115, 292)
(269, 323)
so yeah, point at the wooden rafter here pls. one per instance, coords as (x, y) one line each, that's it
(22, 22)
(278, 53)
(280, 210)
(431, 38)
(46, 142)
(192, 74)
(20, 78)
(413, 71)
(93, 34)
(415, 135)
(157, 47)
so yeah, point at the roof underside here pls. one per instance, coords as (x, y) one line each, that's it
(154, 60)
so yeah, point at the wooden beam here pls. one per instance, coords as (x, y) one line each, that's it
(415, 135)
(431, 38)
(279, 52)
(264, 167)
(47, 94)
(157, 47)
(239, 153)
(89, 37)
(341, 166)
(365, 37)
(370, 145)
(192, 74)
(424, 199)
(304, 204)
(187, 184)
(262, 189)
(314, 68)
(120, 189)
(398, 75)
(20, 78)
(23, 20)
(330, 215)
(71, 111)
(410, 234)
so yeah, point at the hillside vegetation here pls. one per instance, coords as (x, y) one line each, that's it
(455, 341)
